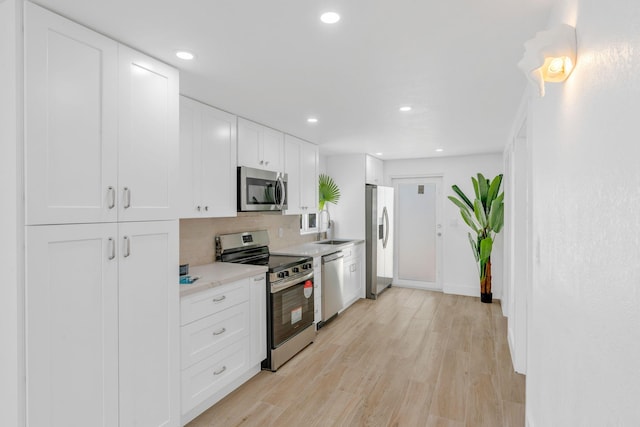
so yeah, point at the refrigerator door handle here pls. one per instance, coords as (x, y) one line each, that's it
(385, 216)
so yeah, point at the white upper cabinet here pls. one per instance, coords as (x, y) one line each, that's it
(260, 147)
(374, 171)
(101, 127)
(207, 161)
(148, 148)
(301, 166)
(71, 78)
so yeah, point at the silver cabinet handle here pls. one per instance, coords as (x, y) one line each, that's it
(218, 299)
(112, 197)
(198, 208)
(258, 279)
(220, 331)
(127, 247)
(112, 248)
(127, 197)
(219, 371)
(262, 162)
(206, 208)
(266, 163)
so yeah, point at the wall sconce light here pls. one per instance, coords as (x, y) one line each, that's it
(550, 56)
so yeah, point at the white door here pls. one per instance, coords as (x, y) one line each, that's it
(72, 325)
(272, 142)
(70, 121)
(148, 147)
(149, 340)
(418, 232)
(218, 163)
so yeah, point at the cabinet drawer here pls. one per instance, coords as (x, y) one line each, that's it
(205, 378)
(208, 336)
(213, 301)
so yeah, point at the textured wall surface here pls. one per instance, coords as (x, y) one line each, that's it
(197, 244)
(584, 334)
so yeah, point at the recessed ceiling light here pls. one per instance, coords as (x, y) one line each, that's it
(378, 154)
(329, 17)
(439, 150)
(405, 108)
(312, 120)
(183, 54)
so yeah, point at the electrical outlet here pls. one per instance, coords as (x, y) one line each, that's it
(280, 232)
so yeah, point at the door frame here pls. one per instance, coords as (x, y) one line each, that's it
(433, 286)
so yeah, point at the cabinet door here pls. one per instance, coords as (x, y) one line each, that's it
(218, 163)
(374, 170)
(309, 177)
(292, 168)
(148, 146)
(190, 182)
(71, 305)
(258, 319)
(70, 121)
(249, 147)
(272, 149)
(148, 312)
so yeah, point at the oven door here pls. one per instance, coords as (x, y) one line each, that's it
(292, 310)
(260, 190)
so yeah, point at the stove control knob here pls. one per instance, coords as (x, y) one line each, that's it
(296, 270)
(281, 275)
(306, 266)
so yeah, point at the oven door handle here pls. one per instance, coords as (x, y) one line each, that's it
(289, 283)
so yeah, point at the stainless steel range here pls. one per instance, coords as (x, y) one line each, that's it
(290, 307)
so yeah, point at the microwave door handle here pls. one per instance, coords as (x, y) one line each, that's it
(282, 192)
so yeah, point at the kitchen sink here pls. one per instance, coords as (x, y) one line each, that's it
(334, 242)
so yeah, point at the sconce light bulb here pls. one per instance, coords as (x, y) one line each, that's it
(556, 65)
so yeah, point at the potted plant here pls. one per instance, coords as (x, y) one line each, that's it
(328, 192)
(485, 217)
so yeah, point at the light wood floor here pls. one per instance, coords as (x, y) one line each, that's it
(411, 358)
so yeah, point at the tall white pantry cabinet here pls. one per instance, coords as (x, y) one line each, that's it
(102, 293)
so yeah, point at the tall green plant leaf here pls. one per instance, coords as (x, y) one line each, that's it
(474, 247)
(328, 191)
(476, 190)
(493, 189)
(459, 204)
(483, 188)
(486, 245)
(468, 219)
(462, 196)
(496, 215)
(481, 216)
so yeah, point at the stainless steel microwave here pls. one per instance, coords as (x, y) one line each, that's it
(261, 190)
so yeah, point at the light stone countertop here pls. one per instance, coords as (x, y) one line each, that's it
(217, 274)
(314, 249)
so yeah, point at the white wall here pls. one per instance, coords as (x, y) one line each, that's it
(460, 274)
(584, 342)
(11, 356)
(348, 172)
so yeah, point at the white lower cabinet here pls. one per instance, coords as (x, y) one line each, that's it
(102, 324)
(353, 274)
(223, 341)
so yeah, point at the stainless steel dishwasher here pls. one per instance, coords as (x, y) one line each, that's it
(332, 284)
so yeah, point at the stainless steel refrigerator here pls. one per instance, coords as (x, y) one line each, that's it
(379, 235)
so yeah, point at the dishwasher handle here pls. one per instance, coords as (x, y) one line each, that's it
(332, 257)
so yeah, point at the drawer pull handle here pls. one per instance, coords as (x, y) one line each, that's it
(220, 331)
(221, 370)
(222, 298)
(258, 279)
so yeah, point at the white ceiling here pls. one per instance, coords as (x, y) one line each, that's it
(453, 61)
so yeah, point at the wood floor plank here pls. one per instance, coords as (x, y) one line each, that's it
(410, 358)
